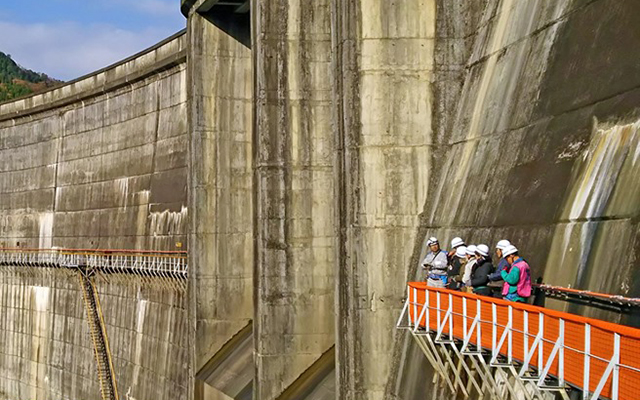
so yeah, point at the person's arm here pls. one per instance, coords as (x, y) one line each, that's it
(481, 277)
(497, 275)
(512, 277)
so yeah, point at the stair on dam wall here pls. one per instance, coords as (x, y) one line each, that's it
(98, 333)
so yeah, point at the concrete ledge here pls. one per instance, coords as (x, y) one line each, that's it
(164, 55)
(185, 7)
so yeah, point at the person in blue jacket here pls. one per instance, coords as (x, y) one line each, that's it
(495, 278)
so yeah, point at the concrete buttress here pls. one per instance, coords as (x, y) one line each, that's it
(220, 185)
(383, 55)
(294, 192)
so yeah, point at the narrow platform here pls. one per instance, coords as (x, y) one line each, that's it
(539, 350)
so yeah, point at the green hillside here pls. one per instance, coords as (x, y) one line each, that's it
(16, 81)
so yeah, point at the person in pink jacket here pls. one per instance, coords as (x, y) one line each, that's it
(517, 276)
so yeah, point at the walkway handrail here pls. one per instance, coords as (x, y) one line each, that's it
(598, 357)
(603, 297)
(92, 251)
(145, 263)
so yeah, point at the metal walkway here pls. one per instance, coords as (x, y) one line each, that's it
(514, 350)
(164, 269)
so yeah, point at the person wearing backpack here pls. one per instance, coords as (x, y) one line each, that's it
(517, 277)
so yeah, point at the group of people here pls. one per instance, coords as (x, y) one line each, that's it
(470, 269)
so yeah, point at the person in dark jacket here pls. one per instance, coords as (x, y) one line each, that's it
(481, 271)
(456, 242)
(456, 268)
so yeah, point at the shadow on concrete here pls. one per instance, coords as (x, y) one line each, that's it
(236, 25)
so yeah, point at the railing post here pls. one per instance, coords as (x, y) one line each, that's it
(561, 355)
(464, 317)
(479, 335)
(494, 330)
(587, 361)
(427, 295)
(438, 318)
(415, 308)
(450, 316)
(510, 337)
(541, 347)
(615, 380)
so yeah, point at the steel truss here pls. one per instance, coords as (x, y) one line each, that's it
(168, 270)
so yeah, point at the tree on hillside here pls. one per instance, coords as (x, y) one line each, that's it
(15, 81)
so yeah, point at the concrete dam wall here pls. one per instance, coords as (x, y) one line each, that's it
(100, 162)
(316, 145)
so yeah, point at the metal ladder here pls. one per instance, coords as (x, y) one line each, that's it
(97, 330)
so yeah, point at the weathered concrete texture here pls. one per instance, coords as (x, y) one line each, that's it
(46, 351)
(294, 189)
(221, 181)
(542, 142)
(100, 162)
(384, 65)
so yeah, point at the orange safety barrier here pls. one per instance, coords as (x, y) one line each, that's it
(595, 355)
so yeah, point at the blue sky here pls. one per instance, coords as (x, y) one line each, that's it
(69, 38)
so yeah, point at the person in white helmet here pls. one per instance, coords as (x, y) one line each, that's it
(456, 242)
(456, 268)
(517, 279)
(481, 270)
(468, 267)
(495, 277)
(435, 264)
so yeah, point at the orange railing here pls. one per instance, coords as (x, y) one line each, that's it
(598, 357)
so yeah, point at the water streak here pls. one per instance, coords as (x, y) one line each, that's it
(601, 198)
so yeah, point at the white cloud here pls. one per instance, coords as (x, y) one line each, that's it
(67, 50)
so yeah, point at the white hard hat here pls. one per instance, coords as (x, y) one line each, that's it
(461, 252)
(471, 250)
(483, 250)
(432, 240)
(456, 241)
(503, 244)
(509, 250)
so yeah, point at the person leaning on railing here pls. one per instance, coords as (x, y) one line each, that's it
(481, 271)
(517, 276)
(435, 264)
(495, 278)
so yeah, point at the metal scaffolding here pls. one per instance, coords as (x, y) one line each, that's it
(515, 350)
(165, 270)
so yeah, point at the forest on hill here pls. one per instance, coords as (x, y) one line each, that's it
(16, 81)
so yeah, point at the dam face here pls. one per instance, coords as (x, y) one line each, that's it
(302, 152)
